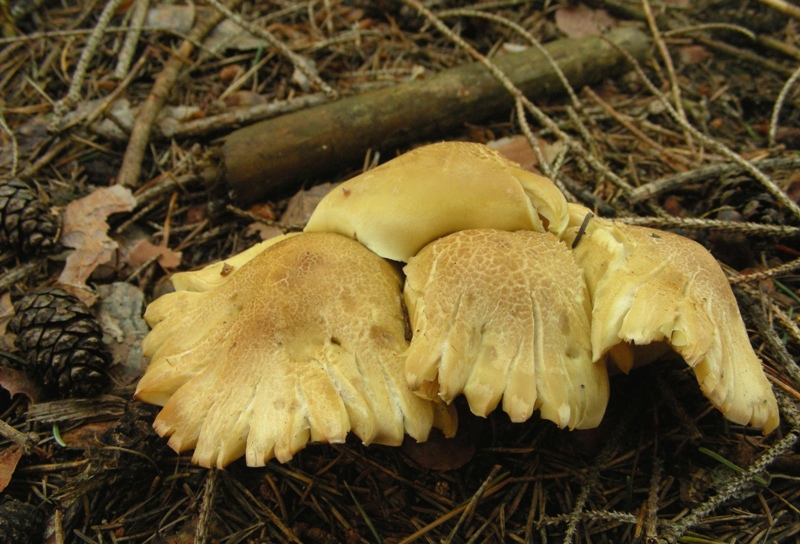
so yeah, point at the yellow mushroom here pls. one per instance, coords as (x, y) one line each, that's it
(504, 314)
(651, 286)
(303, 338)
(301, 343)
(436, 190)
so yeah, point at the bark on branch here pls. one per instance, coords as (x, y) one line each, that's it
(276, 154)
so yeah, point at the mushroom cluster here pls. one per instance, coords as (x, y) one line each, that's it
(509, 295)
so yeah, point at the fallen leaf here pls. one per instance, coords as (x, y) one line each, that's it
(264, 210)
(86, 231)
(86, 435)
(580, 21)
(302, 204)
(440, 453)
(9, 458)
(146, 250)
(693, 54)
(244, 99)
(119, 311)
(18, 382)
(518, 149)
(229, 73)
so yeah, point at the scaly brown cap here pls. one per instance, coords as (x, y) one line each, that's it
(301, 343)
(504, 314)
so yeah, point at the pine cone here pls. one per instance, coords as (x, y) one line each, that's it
(26, 224)
(61, 342)
(20, 523)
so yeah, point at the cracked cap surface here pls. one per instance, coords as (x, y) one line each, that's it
(300, 344)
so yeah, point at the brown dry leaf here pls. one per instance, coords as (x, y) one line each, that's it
(302, 204)
(19, 382)
(693, 54)
(9, 458)
(87, 435)
(580, 21)
(518, 149)
(244, 99)
(145, 250)
(86, 230)
(440, 453)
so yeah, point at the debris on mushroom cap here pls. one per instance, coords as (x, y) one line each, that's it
(435, 190)
(218, 273)
(504, 314)
(653, 286)
(301, 343)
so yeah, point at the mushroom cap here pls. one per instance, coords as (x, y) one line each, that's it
(653, 286)
(435, 190)
(301, 343)
(216, 274)
(504, 314)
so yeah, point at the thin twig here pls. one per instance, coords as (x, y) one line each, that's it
(781, 270)
(206, 507)
(519, 29)
(473, 502)
(667, 59)
(651, 519)
(784, 7)
(14, 147)
(92, 43)
(131, 167)
(19, 273)
(776, 111)
(27, 441)
(140, 8)
(744, 54)
(771, 187)
(737, 484)
(302, 64)
(690, 223)
(544, 119)
(593, 477)
(104, 104)
(698, 175)
(238, 117)
(633, 129)
(755, 305)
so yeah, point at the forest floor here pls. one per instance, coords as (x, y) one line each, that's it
(123, 142)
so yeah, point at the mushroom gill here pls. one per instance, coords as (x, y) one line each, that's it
(652, 286)
(301, 343)
(504, 314)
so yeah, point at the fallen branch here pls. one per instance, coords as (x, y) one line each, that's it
(274, 155)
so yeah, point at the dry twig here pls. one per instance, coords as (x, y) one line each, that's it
(89, 50)
(131, 168)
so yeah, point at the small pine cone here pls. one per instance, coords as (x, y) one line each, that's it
(26, 224)
(20, 523)
(61, 342)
